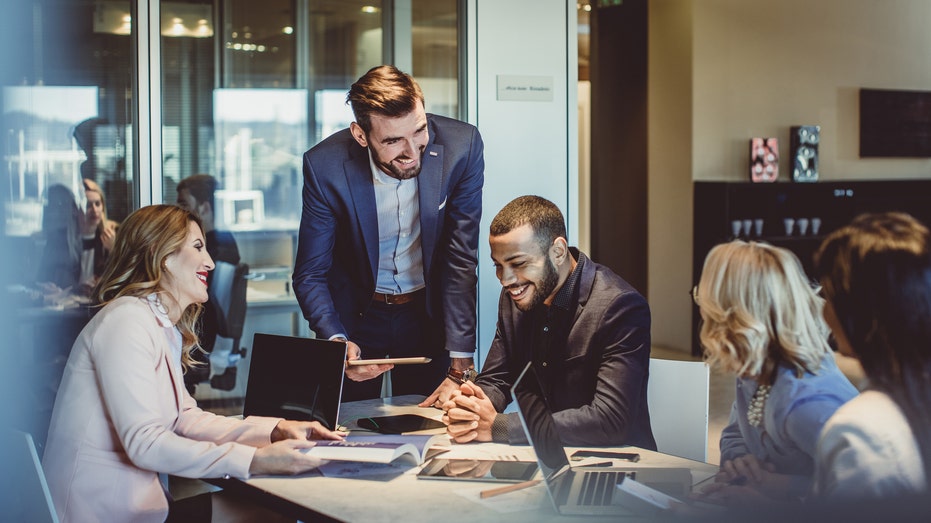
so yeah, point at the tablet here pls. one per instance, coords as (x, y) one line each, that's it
(399, 423)
(392, 361)
(479, 470)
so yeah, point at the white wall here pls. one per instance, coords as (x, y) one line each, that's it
(723, 71)
(531, 147)
(761, 67)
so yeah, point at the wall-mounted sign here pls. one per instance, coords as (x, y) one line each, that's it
(525, 88)
(895, 124)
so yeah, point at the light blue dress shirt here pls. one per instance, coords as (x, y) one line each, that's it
(400, 258)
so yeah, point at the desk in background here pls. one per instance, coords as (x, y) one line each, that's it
(313, 497)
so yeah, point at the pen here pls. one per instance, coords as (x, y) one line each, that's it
(507, 488)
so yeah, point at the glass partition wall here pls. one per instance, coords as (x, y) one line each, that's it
(139, 94)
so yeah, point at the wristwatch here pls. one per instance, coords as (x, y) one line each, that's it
(462, 376)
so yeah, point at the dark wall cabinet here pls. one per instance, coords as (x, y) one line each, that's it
(796, 216)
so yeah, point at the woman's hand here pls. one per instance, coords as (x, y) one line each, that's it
(746, 466)
(283, 457)
(108, 235)
(746, 480)
(303, 430)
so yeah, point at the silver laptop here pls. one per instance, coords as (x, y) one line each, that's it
(295, 378)
(581, 491)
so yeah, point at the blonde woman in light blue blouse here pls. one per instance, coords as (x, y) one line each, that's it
(762, 321)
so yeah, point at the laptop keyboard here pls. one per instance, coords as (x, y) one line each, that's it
(598, 487)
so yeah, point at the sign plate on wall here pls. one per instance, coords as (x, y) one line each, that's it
(525, 88)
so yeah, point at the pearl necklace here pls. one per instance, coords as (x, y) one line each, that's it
(757, 404)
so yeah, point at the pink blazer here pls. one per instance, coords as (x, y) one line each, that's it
(122, 415)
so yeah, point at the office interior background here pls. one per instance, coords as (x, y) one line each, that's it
(645, 99)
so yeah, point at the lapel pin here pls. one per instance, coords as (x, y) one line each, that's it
(432, 153)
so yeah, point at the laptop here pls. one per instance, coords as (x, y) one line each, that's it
(295, 378)
(581, 491)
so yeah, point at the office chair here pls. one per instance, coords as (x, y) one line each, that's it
(677, 396)
(24, 493)
(228, 290)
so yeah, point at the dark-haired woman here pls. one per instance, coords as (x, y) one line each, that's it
(876, 276)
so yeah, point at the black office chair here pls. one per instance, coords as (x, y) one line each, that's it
(228, 292)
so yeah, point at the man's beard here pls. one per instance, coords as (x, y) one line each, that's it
(397, 173)
(544, 289)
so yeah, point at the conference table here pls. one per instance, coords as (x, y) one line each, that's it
(400, 496)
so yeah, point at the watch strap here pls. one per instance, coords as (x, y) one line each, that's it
(460, 376)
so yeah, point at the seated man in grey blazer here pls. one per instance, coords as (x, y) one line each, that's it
(586, 330)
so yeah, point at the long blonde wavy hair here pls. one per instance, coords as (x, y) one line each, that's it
(136, 266)
(758, 309)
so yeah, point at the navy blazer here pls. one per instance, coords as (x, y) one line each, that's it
(337, 254)
(598, 394)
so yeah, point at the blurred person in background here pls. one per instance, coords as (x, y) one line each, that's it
(97, 233)
(197, 194)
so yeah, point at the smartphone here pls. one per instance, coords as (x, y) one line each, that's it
(626, 456)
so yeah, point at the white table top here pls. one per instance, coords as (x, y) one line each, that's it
(403, 497)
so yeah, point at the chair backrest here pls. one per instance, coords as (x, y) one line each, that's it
(24, 493)
(677, 395)
(228, 292)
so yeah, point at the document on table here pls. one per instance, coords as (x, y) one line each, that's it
(356, 469)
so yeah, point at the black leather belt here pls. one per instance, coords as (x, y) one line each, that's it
(395, 299)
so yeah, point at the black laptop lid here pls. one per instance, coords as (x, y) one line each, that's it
(538, 422)
(295, 378)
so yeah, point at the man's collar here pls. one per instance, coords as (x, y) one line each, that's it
(565, 296)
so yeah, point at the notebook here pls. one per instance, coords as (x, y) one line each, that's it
(581, 491)
(295, 378)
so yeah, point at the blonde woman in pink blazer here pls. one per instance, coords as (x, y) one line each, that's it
(123, 415)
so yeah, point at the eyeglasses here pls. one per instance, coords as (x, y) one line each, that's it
(694, 294)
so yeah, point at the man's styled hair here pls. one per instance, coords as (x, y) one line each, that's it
(202, 187)
(385, 91)
(876, 274)
(759, 309)
(543, 216)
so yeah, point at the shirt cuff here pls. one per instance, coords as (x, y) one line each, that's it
(499, 429)
(333, 337)
(459, 354)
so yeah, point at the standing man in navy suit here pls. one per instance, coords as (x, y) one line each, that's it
(387, 252)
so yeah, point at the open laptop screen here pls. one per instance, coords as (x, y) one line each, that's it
(295, 378)
(539, 421)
